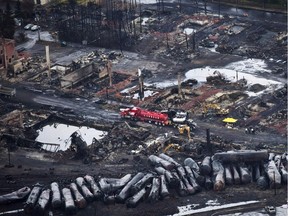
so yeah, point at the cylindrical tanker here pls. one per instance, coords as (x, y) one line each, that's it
(56, 195)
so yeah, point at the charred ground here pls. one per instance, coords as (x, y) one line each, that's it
(161, 49)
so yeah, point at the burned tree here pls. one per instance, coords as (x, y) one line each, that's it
(105, 24)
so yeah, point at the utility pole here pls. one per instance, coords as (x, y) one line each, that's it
(219, 8)
(134, 27)
(48, 62)
(38, 30)
(179, 85)
(9, 154)
(180, 6)
(107, 94)
(140, 15)
(21, 119)
(160, 7)
(141, 90)
(167, 41)
(9, 161)
(186, 38)
(193, 41)
(109, 70)
(209, 146)
(5, 53)
(274, 183)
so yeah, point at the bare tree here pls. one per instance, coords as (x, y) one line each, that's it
(219, 4)
(7, 23)
(18, 9)
(27, 8)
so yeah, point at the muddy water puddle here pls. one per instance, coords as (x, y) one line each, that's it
(59, 134)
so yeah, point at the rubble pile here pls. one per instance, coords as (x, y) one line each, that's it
(116, 139)
(225, 168)
(34, 69)
(96, 56)
(21, 118)
(216, 79)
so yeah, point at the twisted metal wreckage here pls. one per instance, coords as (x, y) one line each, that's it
(225, 168)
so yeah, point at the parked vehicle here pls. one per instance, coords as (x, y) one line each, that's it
(35, 27)
(170, 117)
(270, 209)
(100, 101)
(207, 43)
(136, 113)
(28, 26)
(18, 22)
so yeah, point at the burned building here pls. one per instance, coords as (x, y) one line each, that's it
(92, 69)
(8, 52)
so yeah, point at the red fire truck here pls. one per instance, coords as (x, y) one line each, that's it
(170, 117)
(139, 114)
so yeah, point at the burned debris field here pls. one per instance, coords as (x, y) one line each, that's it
(145, 108)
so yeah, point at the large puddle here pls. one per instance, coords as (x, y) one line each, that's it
(250, 69)
(58, 133)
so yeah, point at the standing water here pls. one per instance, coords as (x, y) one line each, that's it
(60, 134)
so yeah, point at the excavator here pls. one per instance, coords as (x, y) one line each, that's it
(215, 109)
(176, 147)
(184, 129)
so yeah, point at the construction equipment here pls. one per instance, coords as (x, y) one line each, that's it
(217, 78)
(138, 114)
(184, 129)
(170, 117)
(177, 116)
(177, 147)
(214, 109)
